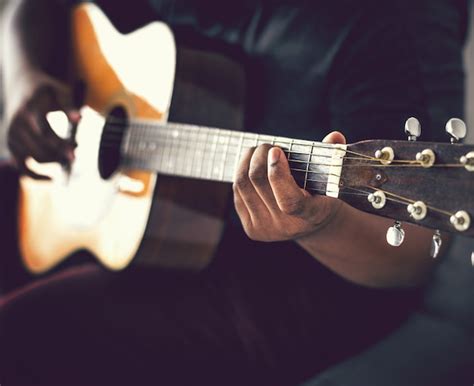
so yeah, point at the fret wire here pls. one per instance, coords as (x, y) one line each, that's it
(225, 157)
(193, 155)
(125, 143)
(169, 139)
(290, 151)
(184, 150)
(177, 145)
(166, 150)
(307, 166)
(203, 153)
(175, 150)
(239, 152)
(194, 168)
(213, 152)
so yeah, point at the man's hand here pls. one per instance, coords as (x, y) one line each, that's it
(29, 133)
(271, 206)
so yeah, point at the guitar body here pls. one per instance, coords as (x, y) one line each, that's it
(131, 214)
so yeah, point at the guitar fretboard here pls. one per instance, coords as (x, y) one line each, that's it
(214, 154)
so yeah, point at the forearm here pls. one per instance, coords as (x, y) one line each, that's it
(353, 244)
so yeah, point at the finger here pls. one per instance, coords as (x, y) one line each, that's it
(37, 142)
(258, 175)
(244, 186)
(291, 199)
(21, 166)
(63, 147)
(335, 137)
(51, 97)
(241, 208)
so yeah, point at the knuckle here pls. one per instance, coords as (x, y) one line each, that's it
(258, 174)
(251, 233)
(41, 156)
(241, 181)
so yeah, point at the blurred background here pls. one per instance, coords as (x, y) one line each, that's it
(469, 66)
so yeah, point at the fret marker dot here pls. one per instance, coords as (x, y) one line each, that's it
(175, 134)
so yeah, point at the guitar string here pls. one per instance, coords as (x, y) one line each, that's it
(152, 125)
(405, 163)
(363, 164)
(225, 133)
(235, 134)
(378, 163)
(395, 197)
(149, 125)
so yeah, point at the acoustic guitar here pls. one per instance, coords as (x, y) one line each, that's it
(145, 189)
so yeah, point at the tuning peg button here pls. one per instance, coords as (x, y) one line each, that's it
(436, 243)
(412, 128)
(456, 128)
(395, 234)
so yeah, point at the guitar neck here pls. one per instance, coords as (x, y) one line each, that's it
(213, 154)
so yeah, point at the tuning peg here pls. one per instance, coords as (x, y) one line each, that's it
(395, 234)
(436, 243)
(412, 128)
(456, 128)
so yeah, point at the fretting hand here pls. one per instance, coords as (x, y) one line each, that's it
(271, 206)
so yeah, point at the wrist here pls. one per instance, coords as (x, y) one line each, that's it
(328, 227)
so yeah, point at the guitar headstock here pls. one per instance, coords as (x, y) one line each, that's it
(425, 183)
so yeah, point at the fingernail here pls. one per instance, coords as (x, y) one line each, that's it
(74, 116)
(273, 156)
(70, 155)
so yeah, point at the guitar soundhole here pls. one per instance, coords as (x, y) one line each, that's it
(112, 136)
